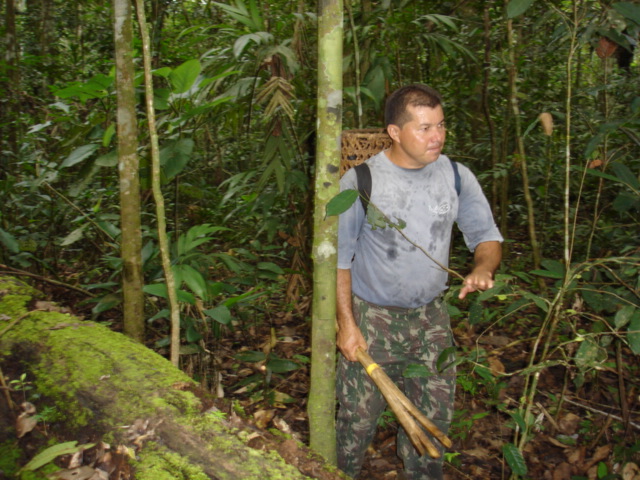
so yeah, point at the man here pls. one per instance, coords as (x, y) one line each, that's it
(389, 298)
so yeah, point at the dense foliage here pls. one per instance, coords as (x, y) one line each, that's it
(235, 106)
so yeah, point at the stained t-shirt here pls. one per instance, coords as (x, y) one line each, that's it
(386, 268)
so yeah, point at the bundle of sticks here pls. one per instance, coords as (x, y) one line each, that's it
(406, 412)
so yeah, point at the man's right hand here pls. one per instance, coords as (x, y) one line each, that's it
(349, 339)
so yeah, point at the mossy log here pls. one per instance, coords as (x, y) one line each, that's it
(101, 383)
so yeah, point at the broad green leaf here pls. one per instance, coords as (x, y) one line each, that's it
(108, 159)
(623, 316)
(192, 334)
(281, 365)
(270, 267)
(160, 290)
(192, 278)
(79, 154)
(73, 237)
(475, 313)
(547, 273)
(250, 356)
(589, 354)
(108, 134)
(625, 174)
(519, 420)
(341, 202)
(220, 314)
(162, 72)
(183, 77)
(175, 156)
(9, 241)
(50, 454)
(630, 11)
(514, 459)
(516, 8)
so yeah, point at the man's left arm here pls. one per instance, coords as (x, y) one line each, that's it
(486, 259)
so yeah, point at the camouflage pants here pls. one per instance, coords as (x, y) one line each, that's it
(397, 338)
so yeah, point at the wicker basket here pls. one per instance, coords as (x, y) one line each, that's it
(360, 145)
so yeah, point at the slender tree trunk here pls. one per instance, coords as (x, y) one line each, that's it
(12, 87)
(521, 154)
(128, 165)
(322, 393)
(157, 191)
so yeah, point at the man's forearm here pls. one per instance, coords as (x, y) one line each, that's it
(487, 256)
(344, 310)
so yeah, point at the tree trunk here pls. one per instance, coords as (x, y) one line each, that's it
(12, 87)
(99, 381)
(163, 240)
(520, 150)
(128, 169)
(322, 392)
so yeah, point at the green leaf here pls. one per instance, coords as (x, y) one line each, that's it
(73, 237)
(281, 365)
(519, 420)
(589, 354)
(250, 356)
(193, 278)
(108, 159)
(623, 316)
(9, 241)
(220, 314)
(634, 333)
(50, 454)
(192, 334)
(516, 8)
(628, 10)
(79, 154)
(183, 77)
(175, 156)
(270, 267)
(341, 202)
(514, 458)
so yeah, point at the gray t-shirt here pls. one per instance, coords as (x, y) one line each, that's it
(386, 269)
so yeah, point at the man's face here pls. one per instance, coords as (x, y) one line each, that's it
(419, 142)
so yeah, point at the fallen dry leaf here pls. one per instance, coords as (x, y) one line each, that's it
(568, 424)
(496, 366)
(263, 417)
(562, 472)
(630, 472)
(81, 473)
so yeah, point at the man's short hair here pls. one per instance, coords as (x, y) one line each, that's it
(417, 95)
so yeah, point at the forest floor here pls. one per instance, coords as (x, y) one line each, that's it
(584, 439)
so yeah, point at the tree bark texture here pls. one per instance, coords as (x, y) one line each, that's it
(102, 383)
(322, 392)
(128, 169)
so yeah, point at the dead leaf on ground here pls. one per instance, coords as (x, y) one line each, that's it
(480, 453)
(630, 472)
(81, 473)
(568, 424)
(263, 417)
(496, 366)
(562, 472)
(26, 421)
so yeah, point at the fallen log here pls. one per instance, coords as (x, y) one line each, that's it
(107, 389)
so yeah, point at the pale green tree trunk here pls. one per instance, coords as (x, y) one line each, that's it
(128, 164)
(163, 241)
(12, 86)
(322, 393)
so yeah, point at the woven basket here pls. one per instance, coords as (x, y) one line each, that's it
(360, 145)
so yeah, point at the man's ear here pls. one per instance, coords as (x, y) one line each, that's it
(394, 132)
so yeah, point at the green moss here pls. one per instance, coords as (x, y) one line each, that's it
(156, 464)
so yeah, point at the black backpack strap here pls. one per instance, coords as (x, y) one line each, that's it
(456, 176)
(363, 177)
